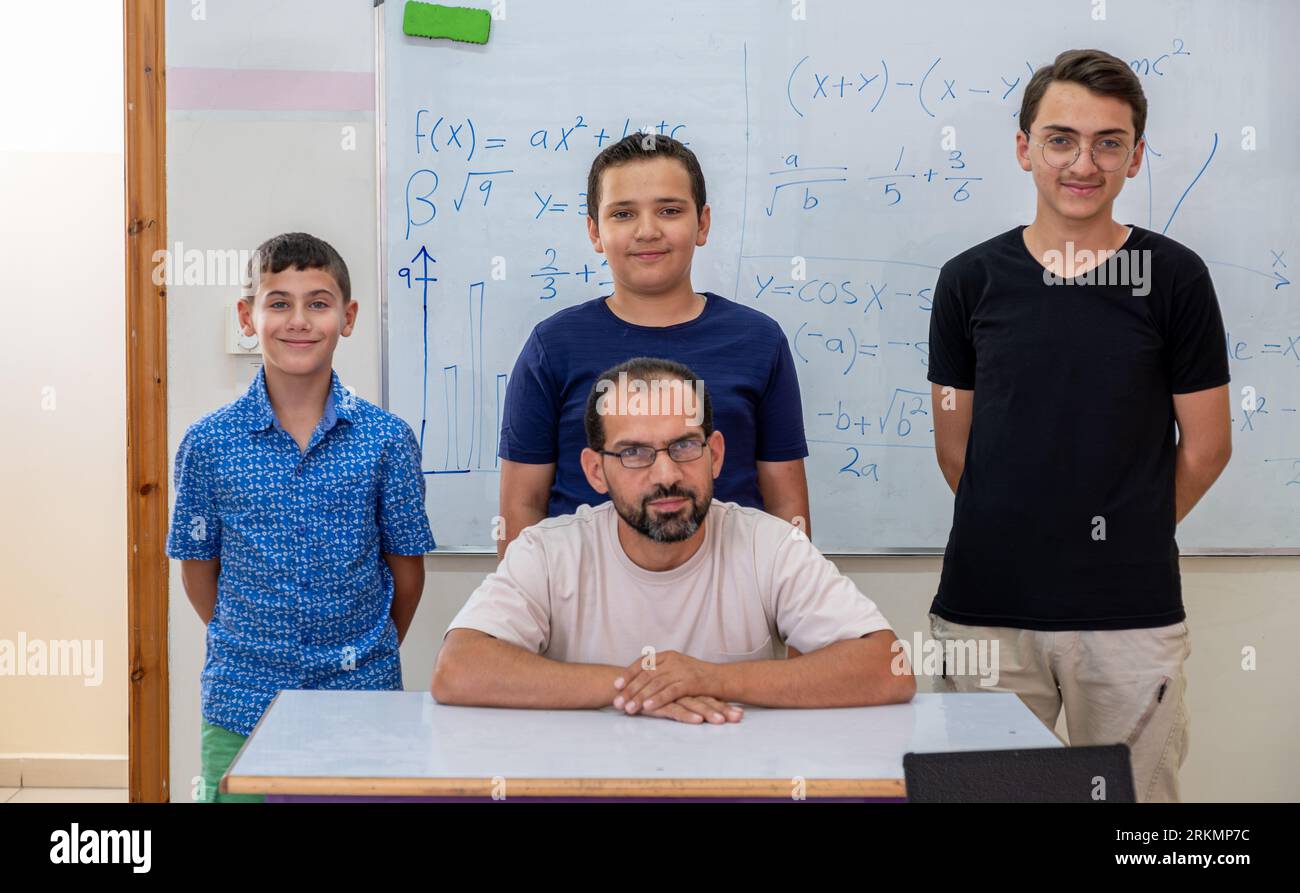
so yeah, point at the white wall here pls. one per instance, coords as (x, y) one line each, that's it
(63, 456)
(235, 178)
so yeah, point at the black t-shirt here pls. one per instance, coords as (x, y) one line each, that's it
(1072, 431)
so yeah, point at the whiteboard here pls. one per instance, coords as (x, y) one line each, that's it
(821, 138)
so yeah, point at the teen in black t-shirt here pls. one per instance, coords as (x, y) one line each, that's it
(1079, 372)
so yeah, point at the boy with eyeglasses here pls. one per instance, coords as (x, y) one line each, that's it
(1063, 354)
(664, 601)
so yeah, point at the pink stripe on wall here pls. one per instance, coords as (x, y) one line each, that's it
(270, 90)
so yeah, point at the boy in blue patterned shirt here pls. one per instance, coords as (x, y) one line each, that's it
(299, 518)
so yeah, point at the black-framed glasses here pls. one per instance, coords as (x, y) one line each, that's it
(1060, 151)
(687, 450)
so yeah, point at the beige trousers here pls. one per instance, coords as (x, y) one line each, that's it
(1117, 686)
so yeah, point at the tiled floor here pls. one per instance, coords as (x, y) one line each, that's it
(63, 795)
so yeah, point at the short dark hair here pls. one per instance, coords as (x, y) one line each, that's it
(1097, 70)
(645, 369)
(301, 251)
(643, 147)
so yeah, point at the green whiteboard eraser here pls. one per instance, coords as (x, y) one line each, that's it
(451, 22)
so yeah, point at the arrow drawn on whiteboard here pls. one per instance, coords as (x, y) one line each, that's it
(1278, 279)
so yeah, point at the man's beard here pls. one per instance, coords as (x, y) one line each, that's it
(666, 528)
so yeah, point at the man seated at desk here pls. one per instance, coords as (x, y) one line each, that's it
(663, 601)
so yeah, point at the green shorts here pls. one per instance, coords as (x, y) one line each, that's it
(217, 750)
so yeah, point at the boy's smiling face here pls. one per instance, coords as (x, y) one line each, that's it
(647, 225)
(298, 316)
(1081, 191)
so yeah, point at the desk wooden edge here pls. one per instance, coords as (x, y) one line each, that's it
(324, 786)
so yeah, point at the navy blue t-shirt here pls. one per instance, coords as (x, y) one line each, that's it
(741, 354)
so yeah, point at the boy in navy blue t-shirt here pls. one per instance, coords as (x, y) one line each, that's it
(647, 214)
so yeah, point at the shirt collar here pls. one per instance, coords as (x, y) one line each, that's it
(341, 405)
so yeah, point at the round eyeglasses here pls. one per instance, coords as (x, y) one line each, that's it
(1060, 151)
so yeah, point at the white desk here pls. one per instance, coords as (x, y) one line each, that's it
(350, 744)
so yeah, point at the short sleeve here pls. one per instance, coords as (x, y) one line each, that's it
(780, 436)
(813, 603)
(401, 515)
(952, 352)
(1196, 345)
(195, 533)
(513, 603)
(530, 419)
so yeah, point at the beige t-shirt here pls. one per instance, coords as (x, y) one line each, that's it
(566, 590)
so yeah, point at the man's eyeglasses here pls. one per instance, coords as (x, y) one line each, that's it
(644, 456)
(1061, 151)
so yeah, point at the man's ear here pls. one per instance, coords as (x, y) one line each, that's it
(706, 219)
(594, 469)
(349, 317)
(717, 449)
(593, 233)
